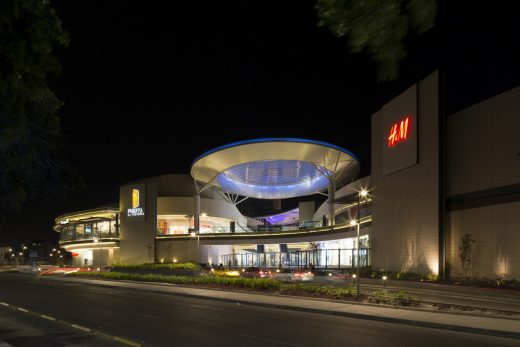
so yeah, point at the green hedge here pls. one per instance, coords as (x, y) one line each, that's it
(153, 266)
(265, 284)
(254, 283)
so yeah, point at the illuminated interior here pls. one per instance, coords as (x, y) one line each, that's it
(180, 224)
(333, 253)
(284, 218)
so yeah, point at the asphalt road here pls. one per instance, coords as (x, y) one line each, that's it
(21, 329)
(157, 319)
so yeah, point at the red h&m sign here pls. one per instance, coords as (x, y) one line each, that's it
(399, 131)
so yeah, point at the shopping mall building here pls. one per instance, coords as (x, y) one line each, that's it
(435, 179)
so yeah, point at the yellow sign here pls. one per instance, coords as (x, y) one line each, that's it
(137, 208)
(135, 198)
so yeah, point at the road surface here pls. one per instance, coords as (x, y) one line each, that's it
(158, 319)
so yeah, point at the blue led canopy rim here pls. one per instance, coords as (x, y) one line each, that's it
(274, 179)
(275, 168)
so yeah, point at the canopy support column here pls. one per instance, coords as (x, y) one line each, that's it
(332, 190)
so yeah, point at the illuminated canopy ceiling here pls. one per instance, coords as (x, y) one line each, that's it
(284, 218)
(275, 168)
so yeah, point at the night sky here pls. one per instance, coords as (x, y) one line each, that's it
(148, 86)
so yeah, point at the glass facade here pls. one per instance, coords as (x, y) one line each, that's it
(341, 253)
(181, 225)
(350, 213)
(88, 230)
(322, 258)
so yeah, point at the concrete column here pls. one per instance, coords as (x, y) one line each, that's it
(332, 190)
(137, 233)
(196, 217)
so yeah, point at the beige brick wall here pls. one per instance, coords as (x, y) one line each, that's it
(496, 230)
(405, 204)
(483, 143)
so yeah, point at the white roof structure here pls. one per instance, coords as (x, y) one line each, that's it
(275, 168)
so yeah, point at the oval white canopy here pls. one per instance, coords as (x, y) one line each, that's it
(275, 168)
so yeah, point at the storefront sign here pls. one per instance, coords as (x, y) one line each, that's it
(137, 208)
(399, 131)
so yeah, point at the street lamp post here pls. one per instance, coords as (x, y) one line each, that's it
(99, 233)
(98, 240)
(193, 234)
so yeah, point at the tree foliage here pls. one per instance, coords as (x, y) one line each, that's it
(378, 27)
(31, 159)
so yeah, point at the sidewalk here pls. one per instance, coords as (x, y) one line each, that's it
(495, 326)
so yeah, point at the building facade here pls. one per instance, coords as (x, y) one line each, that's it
(436, 180)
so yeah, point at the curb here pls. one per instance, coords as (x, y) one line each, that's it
(72, 325)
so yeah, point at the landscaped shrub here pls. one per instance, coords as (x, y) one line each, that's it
(513, 284)
(431, 277)
(397, 299)
(302, 289)
(179, 269)
(253, 283)
(263, 284)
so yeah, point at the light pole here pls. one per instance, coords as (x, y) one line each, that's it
(98, 240)
(193, 234)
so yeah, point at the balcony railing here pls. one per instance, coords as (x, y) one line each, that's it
(264, 229)
(72, 236)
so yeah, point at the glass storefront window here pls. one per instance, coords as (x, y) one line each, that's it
(90, 230)
(181, 225)
(114, 228)
(162, 227)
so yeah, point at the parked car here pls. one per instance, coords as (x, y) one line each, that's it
(256, 272)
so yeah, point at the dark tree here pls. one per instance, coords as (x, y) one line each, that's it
(378, 27)
(31, 156)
